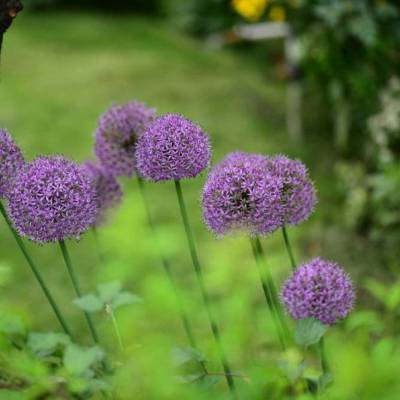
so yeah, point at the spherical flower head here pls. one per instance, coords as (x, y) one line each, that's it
(173, 147)
(117, 133)
(108, 190)
(240, 194)
(52, 199)
(319, 289)
(11, 161)
(298, 193)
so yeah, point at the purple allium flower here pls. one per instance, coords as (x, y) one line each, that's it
(173, 147)
(319, 289)
(52, 199)
(116, 135)
(298, 192)
(11, 161)
(108, 190)
(239, 193)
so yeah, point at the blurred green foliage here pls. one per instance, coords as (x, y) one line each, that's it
(58, 73)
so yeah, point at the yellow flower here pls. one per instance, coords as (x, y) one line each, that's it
(277, 14)
(252, 10)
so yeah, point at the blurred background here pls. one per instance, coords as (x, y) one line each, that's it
(313, 79)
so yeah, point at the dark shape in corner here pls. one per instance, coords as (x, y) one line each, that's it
(8, 11)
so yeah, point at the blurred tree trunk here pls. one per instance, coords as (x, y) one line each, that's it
(8, 11)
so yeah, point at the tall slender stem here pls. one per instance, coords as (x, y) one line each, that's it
(266, 279)
(206, 299)
(114, 321)
(324, 360)
(36, 273)
(167, 269)
(75, 284)
(288, 247)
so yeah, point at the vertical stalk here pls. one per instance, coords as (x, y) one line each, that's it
(114, 321)
(36, 273)
(167, 269)
(75, 284)
(267, 284)
(288, 247)
(206, 299)
(324, 360)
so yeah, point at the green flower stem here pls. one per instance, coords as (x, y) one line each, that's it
(266, 279)
(206, 299)
(75, 284)
(36, 273)
(288, 247)
(167, 268)
(110, 312)
(324, 360)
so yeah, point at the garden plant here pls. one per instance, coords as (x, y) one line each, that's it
(53, 199)
(176, 256)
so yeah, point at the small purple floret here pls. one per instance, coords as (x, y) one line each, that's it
(52, 199)
(298, 192)
(173, 147)
(240, 193)
(117, 133)
(319, 289)
(11, 161)
(108, 190)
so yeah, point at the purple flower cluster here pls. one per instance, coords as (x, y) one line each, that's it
(173, 147)
(298, 197)
(319, 289)
(108, 190)
(117, 133)
(11, 161)
(239, 193)
(52, 199)
(257, 193)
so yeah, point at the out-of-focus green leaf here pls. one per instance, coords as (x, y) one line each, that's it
(181, 356)
(364, 28)
(393, 297)
(309, 331)
(108, 294)
(124, 298)
(108, 291)
(89, 303)
(209, 381)
(11, 324)
(78, 360)
(325, 380)
(44, 344)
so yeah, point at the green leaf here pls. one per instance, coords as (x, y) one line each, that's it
(89, 303)
(11, 324)
(44, 344)
(393, 297)
(309, 331)
(124, 298)
(108, 291)
(209, 381)
(181, 356)
(78, 360)
(325, 380)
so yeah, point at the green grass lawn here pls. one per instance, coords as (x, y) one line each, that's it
(58, 73)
